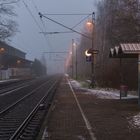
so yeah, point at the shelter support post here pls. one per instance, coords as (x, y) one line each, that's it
(121, 75)
(139, 79)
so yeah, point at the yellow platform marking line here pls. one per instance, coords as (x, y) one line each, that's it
(87, 123)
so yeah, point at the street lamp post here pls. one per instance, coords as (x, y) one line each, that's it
(92, 50)
(76, 62)
(93, 72)
(74, 59)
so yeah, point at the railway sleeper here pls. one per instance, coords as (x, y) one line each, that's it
(4, 138)
(25, 138)
(29, 134)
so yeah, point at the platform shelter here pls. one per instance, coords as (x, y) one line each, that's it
(128, 50)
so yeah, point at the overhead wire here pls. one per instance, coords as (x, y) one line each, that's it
(41, 15)
(68, 14)
(45, 31)
(71, 27)
(35, 6)
(81, 21)
(87, 15)
(28, 9)
(47, 40)
(56, 32)
(16, 1)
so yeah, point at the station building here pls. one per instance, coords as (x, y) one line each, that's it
(13, 63)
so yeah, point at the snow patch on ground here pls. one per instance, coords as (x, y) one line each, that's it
(135, 121)
(81, 138)
(107, 93)
(104, 94)
(75, 84)
(101, 92)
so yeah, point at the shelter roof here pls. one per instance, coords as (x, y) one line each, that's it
(130, 48)
(126, 50)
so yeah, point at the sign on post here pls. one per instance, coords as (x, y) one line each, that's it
(88, 56)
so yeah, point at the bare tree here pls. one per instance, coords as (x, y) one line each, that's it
(118, 21)
(8, 27)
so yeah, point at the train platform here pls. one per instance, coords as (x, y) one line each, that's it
(81, 114)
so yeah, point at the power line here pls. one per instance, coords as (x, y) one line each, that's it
(35, 6)
(28, 9)
(41, 15)
(69, 14)
(78, 14)
(74, 15)
(81, 21)
(72, 27)
(62, 24)
(35, 18)
(47, 40)
(56, 52)
(63, 32)
(44, 34)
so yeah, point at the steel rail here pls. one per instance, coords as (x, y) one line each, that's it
(10, 121)
(21, 99)
(14, 87)
(23, 126)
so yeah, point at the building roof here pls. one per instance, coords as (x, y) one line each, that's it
(11, 50)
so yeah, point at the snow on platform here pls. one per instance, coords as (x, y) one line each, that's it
(102, 93)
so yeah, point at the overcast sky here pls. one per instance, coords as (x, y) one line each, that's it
(31, 41)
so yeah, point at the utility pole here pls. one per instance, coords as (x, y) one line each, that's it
(92, 47)
(72, 58)
(76, 62)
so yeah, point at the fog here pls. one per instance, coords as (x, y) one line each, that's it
(30, 38)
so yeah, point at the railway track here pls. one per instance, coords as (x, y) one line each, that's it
(14, 85)
(22, 119)
(8, 98)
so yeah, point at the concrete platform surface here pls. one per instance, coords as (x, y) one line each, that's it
(76, 115)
